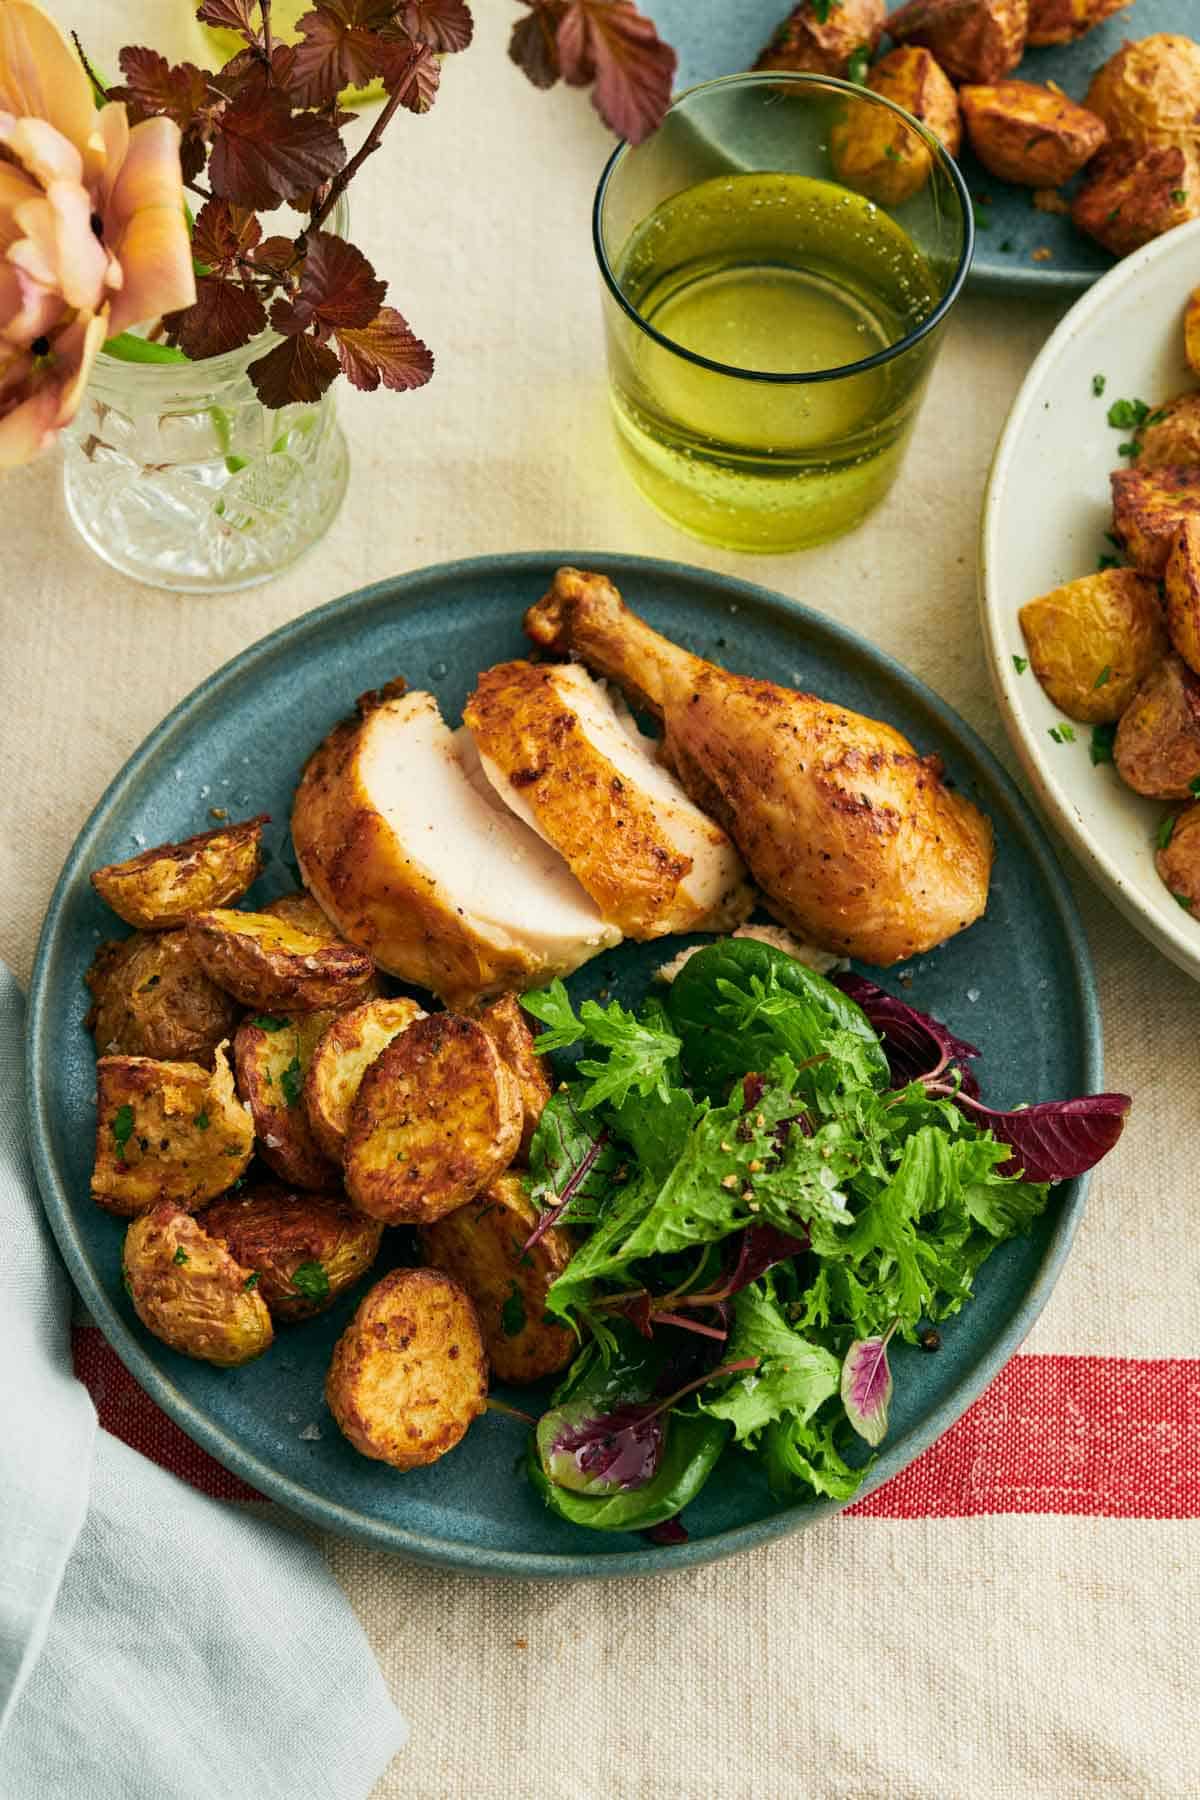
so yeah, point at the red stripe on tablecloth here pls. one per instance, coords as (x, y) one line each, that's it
(1105, 1436)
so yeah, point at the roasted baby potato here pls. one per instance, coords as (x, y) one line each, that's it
(1171, 434)
(437, 1116)
(1093, 641)
(1061, 21)
(879, 155)
(166, 1131)
(1178, 860)
(1029, 134)
(191, 1292)
(306, 1249)
(344, 1052)
(160, 887)
(1183, 593)
(1148, 93)
(973, 40)
(1131, 196)
(408, 1374)
(1149, 506)
(507, 1024)
(271, 1056)
(1157, 747)
(1191, 332)
(266, 963)
(820, 40)
(301, 910)
(482, 1246)
(150, 997)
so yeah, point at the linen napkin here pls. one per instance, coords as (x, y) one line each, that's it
(154, 1644)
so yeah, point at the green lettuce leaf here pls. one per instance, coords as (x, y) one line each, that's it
(793, 1379)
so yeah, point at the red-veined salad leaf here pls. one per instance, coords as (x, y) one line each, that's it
(866, 1386)
(1055, 1139)
(917, 1046)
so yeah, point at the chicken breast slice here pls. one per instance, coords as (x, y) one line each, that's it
(581, 775)
(402, 840)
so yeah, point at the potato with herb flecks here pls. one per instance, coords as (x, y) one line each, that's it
(1131, 195)
(166, 1131)
(305, 1248)
(1148, 92)
(1028, 134)
(342, 1056)
(1183, 593)
(1157, 746)
(408, 1374)
(1169, 435)
(271, 1055)
(150, 997)
(191, 1292)
(1062, 21)
(1093, 641)
(973, 40)
(1149, 506)
(482, 1245)
(437, 1116)
(820, 36)
(266, 963)
(159, 888)
(1178, 858)
(876, 153)
(1191, 332)
(507, 1024)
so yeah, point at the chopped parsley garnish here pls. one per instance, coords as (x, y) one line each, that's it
(822, 9)
(1108, 562)
(1099, 383)
(201, 1121)
(891, 152)
(1156, 418)
(1165, 831)
(1179, 195)
(122, 1128)
(251, 1281)
(1184, 900)
(180, 1256)
(292, 1081)
(860, 62)
(1063, 733)
(1101, 748)
(311, 1280)
(1130, 450)
(1127, 415)
(1020, 664)
(266, 1023)
(512, 1313)
(1194, 786)
(1103, 677)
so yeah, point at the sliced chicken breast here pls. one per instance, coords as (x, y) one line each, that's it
(401, 839)
(579, 772)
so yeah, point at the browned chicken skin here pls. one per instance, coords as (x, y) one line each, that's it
(855, 839)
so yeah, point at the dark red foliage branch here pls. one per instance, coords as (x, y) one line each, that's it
(606, 44)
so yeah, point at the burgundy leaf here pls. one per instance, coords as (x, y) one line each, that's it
(916, 1045)
(223, 233)
(152, 85)
(759, 1248)
(298, 369)
(276, 255)
(412, 71)
(866, 1386)
(232, 15)
(667, 1531)
(224, 316)
(385, 351)
(339, 47)
(444, 25)
(1055, 1139)
(637, 1308)
(264, 153)
(533, 45)
(612, 42)
(338, 287)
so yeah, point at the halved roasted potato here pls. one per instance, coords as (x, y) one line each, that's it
(507, 1024)
(271, 1056)
(264, 962)
(974, 40)
(820, 39)
(1130, 196)
(1157, 747)
(1183, 593)
(1170, 436)
(305, 1249)
(344, 1052)
(166, 1131)
(301, 910)
(1146, 92)
(150, 997)
(876, 153)
(482, 1245)
(437, 1116)
(160, 887)
(1178, 860)
(1061, 21)
(408, 1374)
(191, 1292)
(1092, 641)
(1191, 332)
(1149, 506)
(1032, 135)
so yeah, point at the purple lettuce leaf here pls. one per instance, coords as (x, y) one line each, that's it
(866, 1386)
(759, 1248)
(916, 1045)
(1055, 1139)
(607, 1453)
(667, 1531)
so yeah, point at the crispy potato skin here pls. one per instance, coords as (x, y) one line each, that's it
(1149, 506)
(436, 1118)
(191, 1292)
(1157, 747)
(482, 1246)
(189, 1136)
(150, 997)
(408, 1374)
(1111, 621)
(266, 963)
(301, 911)
(1148, 93)
(806, 44)
(1131, 195)
(1174, 437)
(1183, 594)
(270, 1066)
(162, 886)
(1178, 862)
(344, 1052)
(1029, 134)
(1191, 332)
(507, 1024)
(973, 40)
(274, 1230)
(1061, 21)
(879, 155)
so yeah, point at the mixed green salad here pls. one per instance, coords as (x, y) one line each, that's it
(772, 1176)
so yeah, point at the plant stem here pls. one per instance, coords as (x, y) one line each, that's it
(371, 142)
(88, 70)
(511, 1412)
(204, 193)
(264, 6)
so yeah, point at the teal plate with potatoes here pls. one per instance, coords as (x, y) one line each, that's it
(1018, 984)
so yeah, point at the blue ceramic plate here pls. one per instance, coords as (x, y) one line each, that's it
(719, 37)
(1019, 984)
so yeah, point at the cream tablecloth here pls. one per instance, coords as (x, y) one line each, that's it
(1008, 1654)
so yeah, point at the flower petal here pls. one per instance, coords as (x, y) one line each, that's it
(15, 188)
(44, 152)
(59, 249)
(111, 148)
(145, 227)
(40, 75)
(27, 310)
(75, 350)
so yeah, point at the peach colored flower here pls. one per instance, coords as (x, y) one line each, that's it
(93, 236)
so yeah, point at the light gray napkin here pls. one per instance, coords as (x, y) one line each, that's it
(154, 1644)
